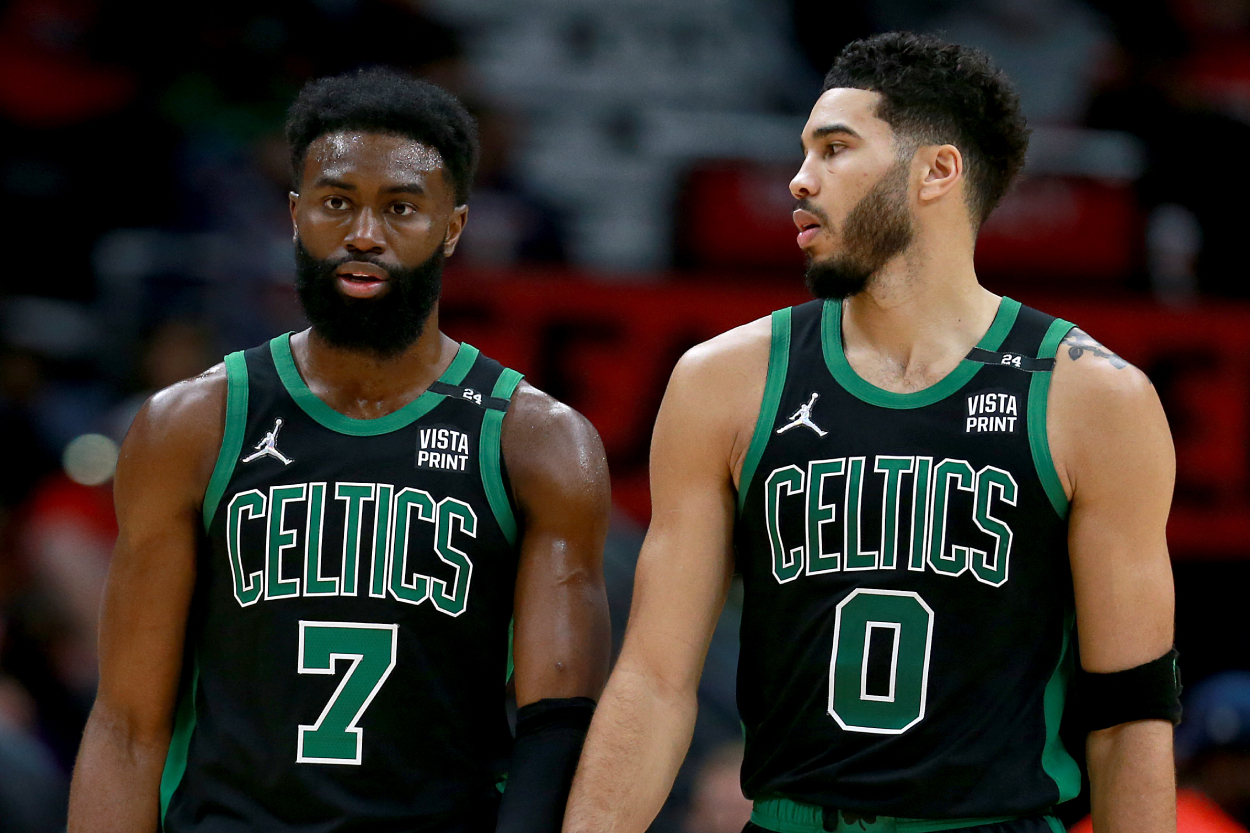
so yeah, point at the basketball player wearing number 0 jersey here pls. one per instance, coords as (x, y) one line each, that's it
(924, 487)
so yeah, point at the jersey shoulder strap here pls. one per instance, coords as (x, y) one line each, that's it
(1034, 341)
(501, 382)
(782, 340)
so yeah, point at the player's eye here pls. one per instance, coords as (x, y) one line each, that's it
(335, 203)
(404, 209)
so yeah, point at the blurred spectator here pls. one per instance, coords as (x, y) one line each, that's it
(1213, 743)
(67, 537)
(72, 110)
(1216, 68)
(717, 804)
(511, 224)
(1213, 758)
(68, 528)
(1195, 231)
(33, 789)
(55, 353)
(174, 350)
(27, 459)
(1054, 51)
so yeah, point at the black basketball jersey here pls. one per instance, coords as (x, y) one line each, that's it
(348, 644)
(908, 614)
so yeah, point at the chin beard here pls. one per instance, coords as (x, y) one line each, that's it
(837, 279)
(385, 326)
(876, 230)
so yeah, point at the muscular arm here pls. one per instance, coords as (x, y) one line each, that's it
(644, 723)
(559, 475)
(1114, 454)
(561, 640)
(164, 468)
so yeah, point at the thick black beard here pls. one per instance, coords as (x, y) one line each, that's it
(385, 326)
(876, 230)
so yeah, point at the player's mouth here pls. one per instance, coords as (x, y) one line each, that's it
(809, 226)
(356, 279)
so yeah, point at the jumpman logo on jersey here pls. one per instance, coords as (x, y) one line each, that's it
(803, 416)
(268, 447)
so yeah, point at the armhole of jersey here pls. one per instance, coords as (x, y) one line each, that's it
(491, 456)
(778, 359)
(1039, 443)
(179, 742)
(232, 439)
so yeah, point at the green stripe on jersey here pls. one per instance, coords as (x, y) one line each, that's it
(835, 359)
(490, 455)
(1056, 762)
(179, 743)
(774, 383)
(232, 438)
(783, 815)
(1039, 443)
(327, 417)
(491, 468)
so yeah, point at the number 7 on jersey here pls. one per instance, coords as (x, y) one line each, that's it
(335, 738)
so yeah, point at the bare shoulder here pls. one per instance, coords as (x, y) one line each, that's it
(547, 443)
(175, 437)
(729, 360)
(720, 382)
(1103, 411)
(1095, 379)
(715, 392)
(185, 403)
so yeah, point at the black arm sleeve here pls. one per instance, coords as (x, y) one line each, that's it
(549, 736)
(1150, 691)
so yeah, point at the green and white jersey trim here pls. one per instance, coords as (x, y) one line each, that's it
(179, 742)
(774, 384)
(491, 457)
(835, 358)
(332, 419)
(1039, 442)
(1056, 761)
(232, 438)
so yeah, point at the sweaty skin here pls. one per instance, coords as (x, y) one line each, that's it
(361, 193)
(917, 319)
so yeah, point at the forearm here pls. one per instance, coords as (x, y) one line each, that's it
(116, 785)
(1132, 778)
(635, 746)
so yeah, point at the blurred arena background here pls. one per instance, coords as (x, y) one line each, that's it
(632, 201)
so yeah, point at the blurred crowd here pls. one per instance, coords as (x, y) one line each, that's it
(643, 141)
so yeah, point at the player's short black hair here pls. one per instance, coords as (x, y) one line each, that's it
(381, 100)
(935, 92)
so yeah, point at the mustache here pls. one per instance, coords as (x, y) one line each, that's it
(330, 265)
(804, 204)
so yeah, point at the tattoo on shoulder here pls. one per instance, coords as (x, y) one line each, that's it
(1079, 343)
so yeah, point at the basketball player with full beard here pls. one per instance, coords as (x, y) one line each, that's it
(336, 546)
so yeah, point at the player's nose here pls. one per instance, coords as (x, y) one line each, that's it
(366, 234)
(804, 183)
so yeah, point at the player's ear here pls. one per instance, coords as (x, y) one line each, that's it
(455, 226)
(293, 200)
(942, 170)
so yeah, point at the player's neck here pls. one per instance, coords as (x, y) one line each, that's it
(364, 385)
(916, 320)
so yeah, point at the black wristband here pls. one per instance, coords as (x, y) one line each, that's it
(549, 736)
(1151, 691)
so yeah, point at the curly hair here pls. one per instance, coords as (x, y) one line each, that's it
(934, 92)
(382, 100)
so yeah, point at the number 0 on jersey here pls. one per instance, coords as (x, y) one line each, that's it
(906, 618)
